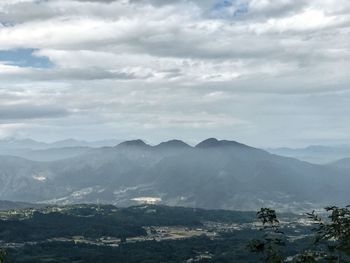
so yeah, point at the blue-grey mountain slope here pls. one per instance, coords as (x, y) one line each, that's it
(315, 154)
(214, 174)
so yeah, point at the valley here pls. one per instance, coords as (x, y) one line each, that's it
(96, 233)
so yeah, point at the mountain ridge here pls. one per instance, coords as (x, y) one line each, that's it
(223, 174)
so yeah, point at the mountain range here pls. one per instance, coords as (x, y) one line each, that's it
(30, 144)
(42, 151)
(318, 154)
(213, 174)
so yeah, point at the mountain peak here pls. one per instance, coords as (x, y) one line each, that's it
(133, 143)
(173, 144)
(213, 142)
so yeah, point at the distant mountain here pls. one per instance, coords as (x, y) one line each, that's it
(41, 151)
(77, 143)
(213, 174)
(133, 143)
(53, 154)
(13, 143)
(315, 154)
(342, 164)
(213, 142)
(172, 144)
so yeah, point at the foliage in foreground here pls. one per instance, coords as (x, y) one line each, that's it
(331, 241)
(2, 255)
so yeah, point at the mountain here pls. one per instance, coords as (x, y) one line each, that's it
(69, 143)
(41, 151)
(315, 154)
(133, 143)
(213, 142)
(213, 174)
(342, 164)
(13, 143)
(172, 144)
(53, 154)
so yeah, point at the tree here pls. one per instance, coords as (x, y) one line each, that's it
(333, 235)
(2, 255)
(273, 237)
(331, 238)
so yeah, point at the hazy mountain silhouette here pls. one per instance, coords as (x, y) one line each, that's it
(213, 174)
(41, 151)
(315, 153)
(172, 144)
(342, 164)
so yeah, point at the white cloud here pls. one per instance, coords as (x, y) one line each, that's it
(177, 67)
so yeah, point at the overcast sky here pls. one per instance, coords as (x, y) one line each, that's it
(262, 72)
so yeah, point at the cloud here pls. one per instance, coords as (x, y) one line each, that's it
(98, 1)
(163, 68)
(22, 112)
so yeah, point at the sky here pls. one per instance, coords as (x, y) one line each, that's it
(268, 73)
